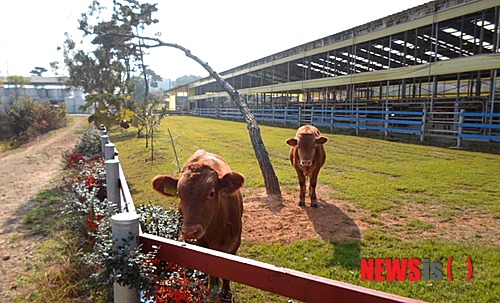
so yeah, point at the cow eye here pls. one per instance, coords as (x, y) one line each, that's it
(211, 194)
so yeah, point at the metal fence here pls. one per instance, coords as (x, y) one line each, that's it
(453, 125)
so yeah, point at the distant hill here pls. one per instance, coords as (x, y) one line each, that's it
(167, 84)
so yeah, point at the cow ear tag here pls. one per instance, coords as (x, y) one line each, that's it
(165, 185)
(168, 190)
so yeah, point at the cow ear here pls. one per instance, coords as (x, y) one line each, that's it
(321, 140)
(291, 141)
(165, 185)
(232, 181)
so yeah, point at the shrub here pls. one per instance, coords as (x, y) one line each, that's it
(118, 263)
(6, 131)
(89, 186)
(160, 222)
(176, 284)
(28, 119)
(160, 281)
(89, 144)
(73, 159)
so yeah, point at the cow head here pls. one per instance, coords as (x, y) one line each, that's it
(200, 194)
(306, 146)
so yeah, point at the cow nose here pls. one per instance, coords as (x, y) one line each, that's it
(306, 162)
(194, 232)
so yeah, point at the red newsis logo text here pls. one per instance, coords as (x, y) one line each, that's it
(411, 269)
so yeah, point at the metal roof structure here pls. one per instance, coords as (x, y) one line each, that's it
(39, 80)
(438, 62)
(437, 38)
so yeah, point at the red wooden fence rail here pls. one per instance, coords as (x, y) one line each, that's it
(282, 281)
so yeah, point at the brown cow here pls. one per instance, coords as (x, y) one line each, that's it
(211, 203)
(307, 156)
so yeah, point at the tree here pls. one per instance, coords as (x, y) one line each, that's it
(122, 36)
(148, 110)
(19, 82)
(38, 71)
(105, 73)
(184, 80)
(270, 178)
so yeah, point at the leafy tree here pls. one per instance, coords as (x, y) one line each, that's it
(149, 116)
(28, 118)
(105, 73)
(38, 71)
(18, 82)
(120, 40)
(153, 79)
(184, 80)
(270, 178)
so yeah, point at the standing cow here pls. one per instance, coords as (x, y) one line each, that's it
(307, 156)
(211, 203)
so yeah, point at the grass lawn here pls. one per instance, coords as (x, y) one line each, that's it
(407, 200)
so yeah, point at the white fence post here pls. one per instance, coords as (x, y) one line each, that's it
(103, 129)
(422, 128)
(104, 141)
(123, 226)
(113, 182)
(357, 121)
(460, 128)
(109, 151)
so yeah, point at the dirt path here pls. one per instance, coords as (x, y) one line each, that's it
(23, 173)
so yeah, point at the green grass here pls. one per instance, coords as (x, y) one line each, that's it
(418, 186)
(53, 272)
(340, 261)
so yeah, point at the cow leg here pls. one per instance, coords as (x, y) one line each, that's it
(302, 183)
(213, 282)
(226, 294)
(312, 190)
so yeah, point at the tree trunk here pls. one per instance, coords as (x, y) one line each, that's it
(270, 179)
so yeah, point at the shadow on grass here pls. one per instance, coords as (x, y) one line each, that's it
(36, 216)
(333, 225)
(123, 136)
(346, 254)
(132, 189)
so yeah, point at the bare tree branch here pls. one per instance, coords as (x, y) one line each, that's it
(270, 178)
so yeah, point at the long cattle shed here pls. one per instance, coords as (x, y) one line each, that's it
(430, 70)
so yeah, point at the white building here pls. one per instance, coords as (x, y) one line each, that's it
(53, 89)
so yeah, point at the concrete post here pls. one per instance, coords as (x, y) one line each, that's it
(113, 182)
(104, 141)
(460, 128)
(109, 151)
(357, 121)
(422, 128)
(123, 226)
(103, 129)
(386, 123)
(300, 116)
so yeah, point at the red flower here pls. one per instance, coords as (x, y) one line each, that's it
(90, 182)
(91, 224)
(73, 158)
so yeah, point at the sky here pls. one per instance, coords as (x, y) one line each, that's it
(223, 33)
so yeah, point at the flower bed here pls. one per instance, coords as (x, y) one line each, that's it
(160, 281)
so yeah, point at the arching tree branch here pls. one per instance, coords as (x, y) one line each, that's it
(270, 178)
